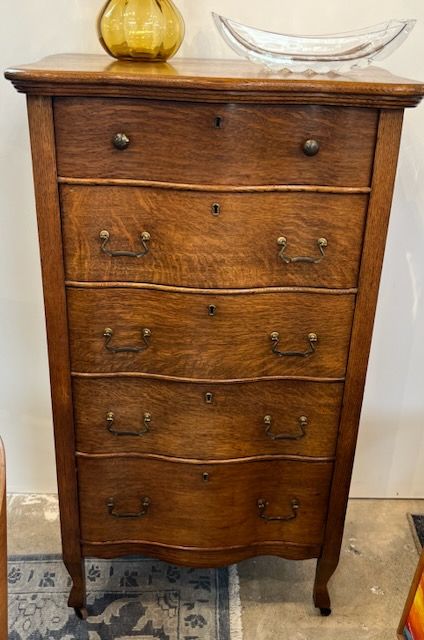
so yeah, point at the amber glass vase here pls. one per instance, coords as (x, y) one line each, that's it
(147, 30)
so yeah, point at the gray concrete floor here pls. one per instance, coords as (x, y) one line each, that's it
(368, 590)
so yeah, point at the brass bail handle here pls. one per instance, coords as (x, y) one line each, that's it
(145, 504)
(322, 245)
(104, 236)
(303, 423)
(145, 335)
(263, 505)
(275, 340)
(110, 421)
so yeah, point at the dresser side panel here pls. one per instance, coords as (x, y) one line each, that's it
(49, 229)
(385, 165)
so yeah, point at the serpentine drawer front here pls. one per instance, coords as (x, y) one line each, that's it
(244, 503)
(205, 143)
(211, 244)
(206, 421)
(212, 239)
(219, 336)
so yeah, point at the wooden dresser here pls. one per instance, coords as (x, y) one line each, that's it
(211, 243)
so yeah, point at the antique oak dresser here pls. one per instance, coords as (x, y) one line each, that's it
(211, 243)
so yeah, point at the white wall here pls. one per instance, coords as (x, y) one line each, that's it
(390, 459)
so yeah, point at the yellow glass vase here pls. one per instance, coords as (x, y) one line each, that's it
(147, 30)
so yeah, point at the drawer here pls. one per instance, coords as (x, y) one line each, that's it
(181, 142)
(215, 421)
(209, 335)
(202, 505)
(190, 245)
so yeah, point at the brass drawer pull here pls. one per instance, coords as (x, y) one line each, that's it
(144, 239)
(120, 141)
(303, 423)
(322, 245)
(110, 419)
(145, 504)
(263, 504)
(275, 339)
(145, 333)
(311, 147)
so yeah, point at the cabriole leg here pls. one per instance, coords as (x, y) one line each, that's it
(324, 571)
(77, 597)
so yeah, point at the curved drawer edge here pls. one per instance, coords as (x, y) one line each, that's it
(158, 376)
(198, 556)
(240, 291)
(212, 461)
(224, 188)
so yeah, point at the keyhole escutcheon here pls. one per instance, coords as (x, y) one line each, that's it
(216, 209)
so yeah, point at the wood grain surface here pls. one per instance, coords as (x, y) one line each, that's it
(49, 231)
(186, 341)
(190, 246)
(185, 424)
(218, 188)
(186, 510)
(179, 142)
(374, 244)
(211, 290)
(214, 80)
(199, 556)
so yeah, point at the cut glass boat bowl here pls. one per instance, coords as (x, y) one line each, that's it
(337, 52)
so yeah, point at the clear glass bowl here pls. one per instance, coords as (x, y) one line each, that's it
(336, 52)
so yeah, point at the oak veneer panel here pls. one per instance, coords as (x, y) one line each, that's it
(387, 150)
(40, 117)
(184, 425)
(186, 510)
(215, 80)
(187, 342)
(191, 247)
(175, 142)
(199, 556)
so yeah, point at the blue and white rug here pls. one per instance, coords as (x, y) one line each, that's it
(128, 598)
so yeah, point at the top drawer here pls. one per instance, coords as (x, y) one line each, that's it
(214, 144)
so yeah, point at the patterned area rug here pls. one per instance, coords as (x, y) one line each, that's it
(417, 527)
(130, 598)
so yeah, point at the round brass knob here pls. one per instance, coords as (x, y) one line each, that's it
(311, 147)
(120, 141)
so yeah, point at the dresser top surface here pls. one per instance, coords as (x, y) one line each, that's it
(71, 74)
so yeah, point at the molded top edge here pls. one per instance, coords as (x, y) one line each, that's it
(62, 74)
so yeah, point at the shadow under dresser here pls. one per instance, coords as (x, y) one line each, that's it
(211, 243)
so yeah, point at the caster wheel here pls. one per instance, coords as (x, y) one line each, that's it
(82, 613)
(325, 612)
